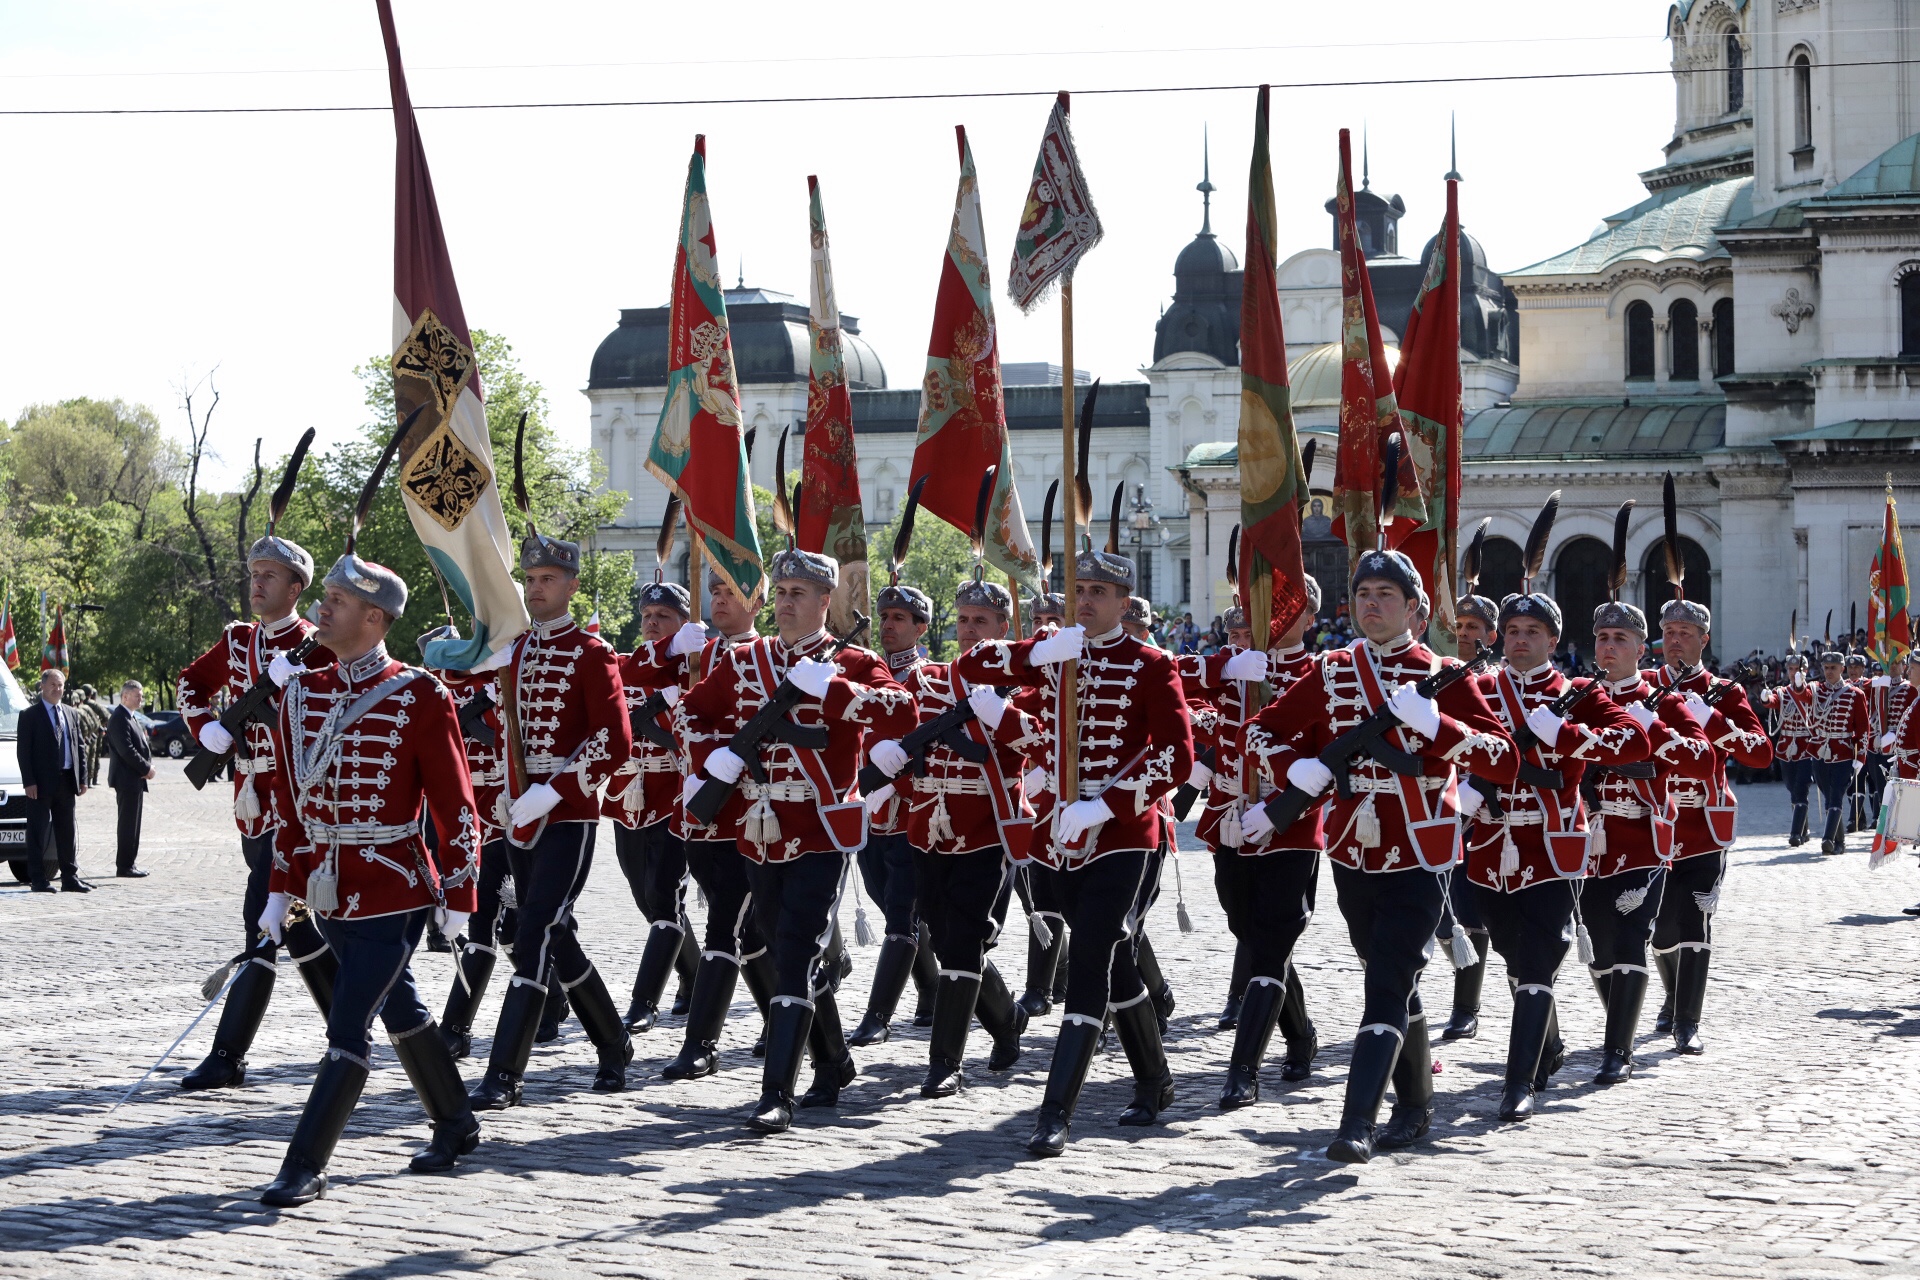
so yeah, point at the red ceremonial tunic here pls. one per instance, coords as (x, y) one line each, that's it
(486, 766)
(1136, 743)
(1904, 754)
(961, 806)
(1633, 818)
(356, 795)
(562, 688)
(227, 671)
(1707, 807)
(1228, 792)
(907, 670)
(1411, 822)
(1793, 739)
(809, 794)
(1838, 725)
(645, 789)
(1543, 833)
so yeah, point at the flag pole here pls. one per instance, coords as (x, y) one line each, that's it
(1069, 780)
(1013, 589)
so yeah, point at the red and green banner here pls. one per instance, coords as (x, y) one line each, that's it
(1272, 487)
(699, 449)
(53, 654)
(1058, 224)
(828, 518)
(1427, 391)
(963, 417)
(9, 643)
(1889, 632)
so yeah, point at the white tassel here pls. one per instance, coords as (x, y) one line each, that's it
(1629, 902)
(1041, 933)
(218, 979)
(1231, 836)
(1707, 902)
(633, 796)
(502, 812)
(1584, 941)
(246, 803)
(1597, 841)
(940, 825)
(1509, 854)
(1366, 825)
(1464, 956)
(506, 893)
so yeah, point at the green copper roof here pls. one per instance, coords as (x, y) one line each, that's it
(1857, 431)
(1895, 172)
(1592, 427)
(1655, 230)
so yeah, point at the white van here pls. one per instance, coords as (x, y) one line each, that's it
(13, 800)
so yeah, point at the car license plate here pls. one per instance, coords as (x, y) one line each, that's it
(13, 835)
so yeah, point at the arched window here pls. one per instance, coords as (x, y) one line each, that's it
(1802, 103)
(1736, 73)
(1580, 585)
(1910, 313)
(1639, 340)
(1723, 337)
(1499, 569)
(1683, 333)
(1653, 578)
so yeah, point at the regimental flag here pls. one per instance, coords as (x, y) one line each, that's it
(1272, 481)
(828, 517)
(1059, 222)
(1888, 627)
(9, 643)
(963, 419)
(699, 450)
(53, 654)
(445, 462)
(1427, 390)
(1367, 414)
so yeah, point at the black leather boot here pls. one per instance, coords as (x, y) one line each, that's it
(303, 1174)
(926, 979)
(1159, 993)
(1690, 996)
(650, 979)
(833, 1065)
(1626, 991)
(226, 1063)
(757, 972)
(1237, 989)
(953, 1009)
(512, 1046)
(787, 1025)
(1060, 970)
(1668, 963)
(1138, 1026)
(1835, 840)
(1798, 834)
(685, 964)
(1072, 1058)
(1259, 1013)
(890, 971)
(473, 969)
(1368, 1073)
(429, 1065)
(1412, 1114)
(1532, 1017)
(313, 960)
(593, 1003)
(1001, 1018)
(1553, 1054)
(1296, 1028)
(1042, 961)
(555, 1012)
(1463, 1023)
(713, 986)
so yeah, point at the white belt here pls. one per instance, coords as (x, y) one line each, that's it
(1690, 800)
(1525, 818)
(1384, 786)
(361, 832)
(657, 764)
(544, 762)
(1623, 809)
(254, 764)
(1092, 790)
(792, 792)
(952, 786)
(490, 777)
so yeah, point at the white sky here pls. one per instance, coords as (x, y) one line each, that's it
(141, 250)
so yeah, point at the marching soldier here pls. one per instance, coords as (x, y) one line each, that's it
(795, 829)
(278, 570)
(566, 732)
(1135, 744)
(1046, 921)
(1392, 838)
(1793, 742)
(367, 744)
(1838, 737)
(1476, 622)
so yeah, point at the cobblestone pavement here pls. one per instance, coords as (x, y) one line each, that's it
(1788, 1150)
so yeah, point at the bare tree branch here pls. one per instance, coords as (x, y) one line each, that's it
(241, 540)
(197, 435)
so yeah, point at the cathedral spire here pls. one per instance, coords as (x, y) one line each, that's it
(1205, 188)
(1453, 148)
(1366, 162)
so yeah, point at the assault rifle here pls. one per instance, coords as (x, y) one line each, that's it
(769, 724)
(948, 729)
(257, 705)
(645, 722)
(473, 718)
(1525, 739)
(1186, 793)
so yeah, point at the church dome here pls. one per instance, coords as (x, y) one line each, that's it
(1206, 256)
(771, 344)
(1313, 378)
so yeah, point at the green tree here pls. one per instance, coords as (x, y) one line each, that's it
(939, 559)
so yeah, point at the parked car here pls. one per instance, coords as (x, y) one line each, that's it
(167, 734)
(13, 798)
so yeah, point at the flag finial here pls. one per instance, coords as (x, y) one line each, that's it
(1453, 148)
(1206, 185)
(1366, 160)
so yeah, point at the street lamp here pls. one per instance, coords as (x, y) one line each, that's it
(1147, 530)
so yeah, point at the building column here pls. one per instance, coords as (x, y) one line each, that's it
(1662, 363)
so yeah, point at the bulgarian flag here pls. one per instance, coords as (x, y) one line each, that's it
(1272, 484)
(699, 450)
(1888, 628)
(963, 419)
(1427, 392)
(9, 644)
(445, 463)
(53, 654)
(828, 516)
(1367, 406)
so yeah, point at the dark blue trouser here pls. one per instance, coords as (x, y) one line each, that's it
(887, 871)
(258, 851)
(546, 881)
(1102, 900)
(960, 893)
(1619, 912)
(1798, 775)
(1391, 916)
(795, 904)
(1834, 778)
(1531, 928)
(376, 978)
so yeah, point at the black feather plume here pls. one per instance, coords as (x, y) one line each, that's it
(793, 505)
(1670, 515)
(1306, 471)
(1793, 631)
(1472, 558)
(1853, 623)
(372, 486)
(1389, 484)
(1113, 519)
(977, 534)
(277, 505)
(519, 467)
(1829, 637)
(1046, 532)
(1617, 576)
(1083, 486)
(1534, 556)
(1233, 559)
(782, 510)
(746, 442)
(669, 525)
(905, 535)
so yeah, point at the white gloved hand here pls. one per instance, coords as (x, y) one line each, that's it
(280, 670)
(690, 788)
(1471, 801)
(1641, 716)
(811, 677)
(450, 922)
(215, 738)
(1256, 824)
(989, 706)
(1858, 764)
(1422, 715)
(1799, 679)
(1887, 740)
(1697, 707)
(1545, 726)
(495, 660)
(1309, 775)
(725, 766)
(1063, 645)
(534, 804)
(1081, 817)
(274, 918)
(1249, 665)
(1201, 778)
(670, 694)
(1035, 780)
(1882, 682)
(889, 757)
(876, 800)
(690, 638)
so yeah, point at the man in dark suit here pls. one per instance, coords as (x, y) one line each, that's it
(52, 770)
(128, 770)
